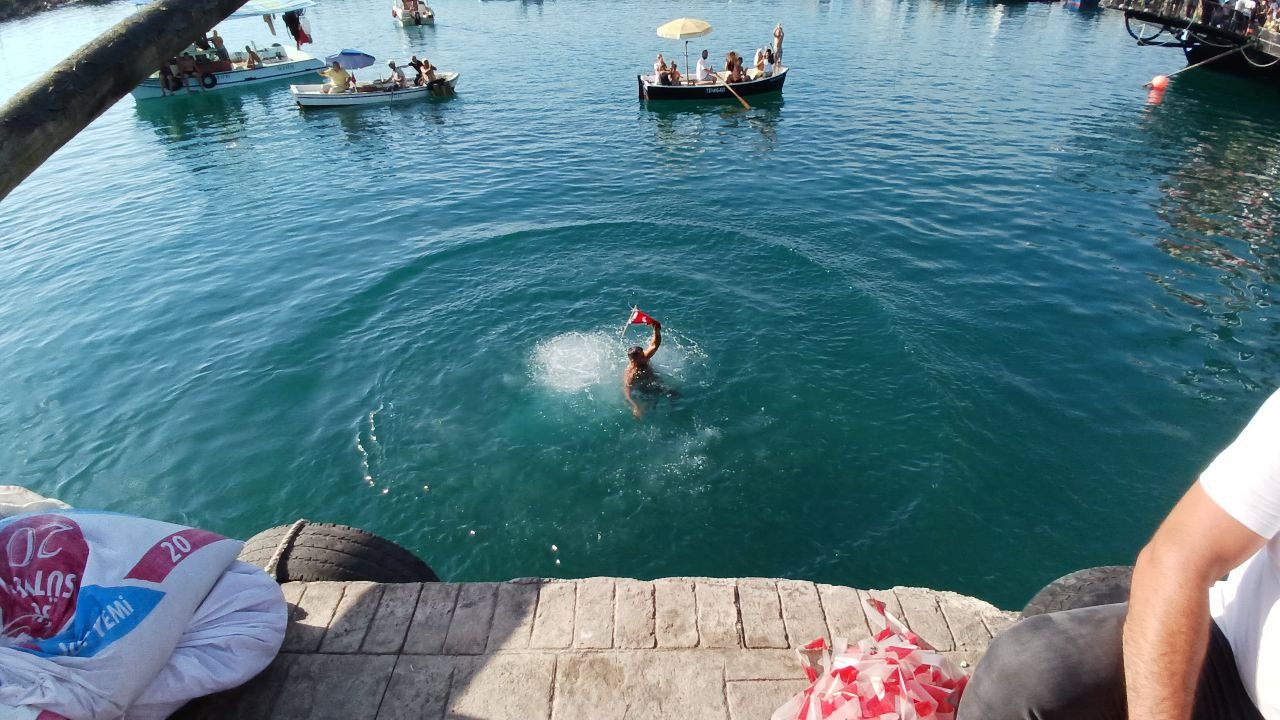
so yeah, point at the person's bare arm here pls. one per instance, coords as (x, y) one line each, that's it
(655, 342)
(627, 378)
(1166, 632)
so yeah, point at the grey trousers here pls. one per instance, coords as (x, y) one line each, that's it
(1068, 666)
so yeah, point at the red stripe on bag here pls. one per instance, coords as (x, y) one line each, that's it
(166, 555)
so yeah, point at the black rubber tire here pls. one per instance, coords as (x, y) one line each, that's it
(325, 551)
(1083, 588)
(208, 81)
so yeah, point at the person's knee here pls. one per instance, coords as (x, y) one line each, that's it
(1058, 665)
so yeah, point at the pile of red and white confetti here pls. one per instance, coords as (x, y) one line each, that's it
(894, 676)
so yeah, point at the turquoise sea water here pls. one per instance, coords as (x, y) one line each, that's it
(958, 309)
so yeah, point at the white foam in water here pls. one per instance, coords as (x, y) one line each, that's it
(574, 362)
(577, 361)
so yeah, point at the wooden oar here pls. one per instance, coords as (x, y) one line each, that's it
(725, 81)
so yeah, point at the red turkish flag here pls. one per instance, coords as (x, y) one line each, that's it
(638, 317)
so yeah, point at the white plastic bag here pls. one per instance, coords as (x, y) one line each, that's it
(92, 606)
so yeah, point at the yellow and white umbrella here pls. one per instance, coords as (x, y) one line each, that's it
(683, 29)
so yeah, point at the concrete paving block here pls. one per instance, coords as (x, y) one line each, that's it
(472, 617)
(639, 685)
(593, 617)
(762, 625)
(964, 618)
(801, 612)
(758, 699)
(999, 621)
(633, 614)
(874, 622)
(253, 700)
(843, 610)
(334, 687)
(431, 619)
(717, 613)
(761, 665)
(921, 613)
(508, 686)
(675, 613)
(352, 618)
(419, 688)
(553, 622)
(391, 623)
(309, 618)
(513, 616)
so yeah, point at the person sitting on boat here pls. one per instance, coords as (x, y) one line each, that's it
(252, 59)
(660, 76)
(704, 73)
(730, 59)
(397, 76)
(187, 68)
(737, 74)
(673, 73)
(768, 62)
(339, 80)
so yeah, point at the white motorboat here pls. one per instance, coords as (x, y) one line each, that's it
(278, 62)
(412, 12)
(371, 93)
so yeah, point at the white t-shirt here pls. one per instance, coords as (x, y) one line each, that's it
(702, 72)
(1244, 480)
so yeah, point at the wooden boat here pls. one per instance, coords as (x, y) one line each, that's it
(650, 90)
(368, 94)
(412, 12)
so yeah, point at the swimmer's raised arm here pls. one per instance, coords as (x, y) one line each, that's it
(657, 340)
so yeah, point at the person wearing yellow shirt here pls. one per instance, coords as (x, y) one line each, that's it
(339, 80)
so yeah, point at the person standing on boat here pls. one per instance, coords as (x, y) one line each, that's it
(339, 80)
(220, 47)
(660, 76)
(167, 84)
(639, 374)
(704, 72)
(777, 44)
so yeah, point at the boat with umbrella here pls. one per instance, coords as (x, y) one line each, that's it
(370, 93)
(213, 72)
(650, 87)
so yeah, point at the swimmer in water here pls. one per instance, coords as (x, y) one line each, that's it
(639, 373)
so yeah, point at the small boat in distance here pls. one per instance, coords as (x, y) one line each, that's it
(651, 89)
(412, 12)
(372, 93)
(278, 62)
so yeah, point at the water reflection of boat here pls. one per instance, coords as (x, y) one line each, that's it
(412, 12)
(372, 94)
(651, 90)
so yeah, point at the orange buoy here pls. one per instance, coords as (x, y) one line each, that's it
(1159, 82)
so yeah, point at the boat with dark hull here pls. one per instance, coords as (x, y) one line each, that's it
(650, 90)
(1226, 39)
